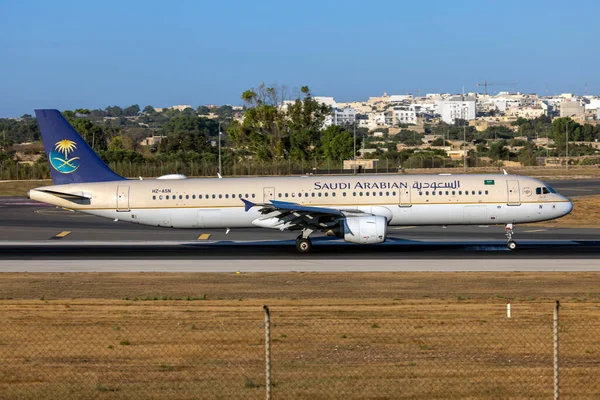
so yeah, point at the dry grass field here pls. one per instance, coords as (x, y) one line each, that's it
(335, 335)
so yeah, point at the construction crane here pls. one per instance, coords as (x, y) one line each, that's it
(485, 84)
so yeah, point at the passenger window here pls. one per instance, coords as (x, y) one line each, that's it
(344, 194)
(393, 193)
(299, 194)
(280, 195)
(486, 192)
(220, 196)
(286, 195)
(480, 192)
(427, 193)
(387, 193)
(326, 194)
(167, 197)
(305, 194)
(312, 194)
(420, 193)
(460, 192)
(187, 196)
(153, 197)
(354, 194)
(454, 193)
(360, 193)
(366, 193)
(253, 195)
(247, 195)
(433, 193)
(333, 194)
(473, 192)
(180, 197)
(374, 193)
(193, 197)
(466, 192)
(160, 197)
(226, 196)
(320, 194)
(447, 193)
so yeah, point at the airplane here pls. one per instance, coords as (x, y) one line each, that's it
(356, 208)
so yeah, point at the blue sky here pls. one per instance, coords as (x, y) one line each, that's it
(70, 54)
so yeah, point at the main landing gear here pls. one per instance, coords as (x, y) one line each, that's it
(303, 242)
(509, 233)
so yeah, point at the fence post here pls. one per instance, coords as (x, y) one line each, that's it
(556, 369)
(267, 352)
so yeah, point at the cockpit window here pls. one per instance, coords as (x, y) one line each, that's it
(550, 189)
(538, 190)
(545, 190)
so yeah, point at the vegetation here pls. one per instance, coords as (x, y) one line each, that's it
(277, 135)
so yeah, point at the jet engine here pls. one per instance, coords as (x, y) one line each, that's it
(365, 229)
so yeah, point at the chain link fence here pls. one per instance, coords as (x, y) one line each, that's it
(193, 349)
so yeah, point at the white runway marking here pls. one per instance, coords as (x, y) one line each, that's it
(300, 265)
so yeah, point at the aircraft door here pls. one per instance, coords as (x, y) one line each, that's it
(514, 196)
(268, 194)
(123, 198)
(405, 197)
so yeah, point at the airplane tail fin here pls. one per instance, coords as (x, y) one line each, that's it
(70, 158)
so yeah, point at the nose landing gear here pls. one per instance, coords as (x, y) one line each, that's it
(511, 244)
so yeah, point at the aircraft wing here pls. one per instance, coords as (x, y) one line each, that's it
(286, 215)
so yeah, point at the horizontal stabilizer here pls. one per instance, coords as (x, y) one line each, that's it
(64, 195)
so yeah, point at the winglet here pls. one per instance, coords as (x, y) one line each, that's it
(248, 204)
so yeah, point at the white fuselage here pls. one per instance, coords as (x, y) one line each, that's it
(402, 199)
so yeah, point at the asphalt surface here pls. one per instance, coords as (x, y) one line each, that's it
(33, 231)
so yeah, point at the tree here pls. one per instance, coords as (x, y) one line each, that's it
(149, 110)
(336, 143)
(264, 129)
(114, 111)
(306, 119)
(498, 151)
(203, 110)
(131, 111)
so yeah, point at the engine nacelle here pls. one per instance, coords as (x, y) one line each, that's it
(366, 229)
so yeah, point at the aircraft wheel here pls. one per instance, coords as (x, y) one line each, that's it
(303, 245)
(511, 245)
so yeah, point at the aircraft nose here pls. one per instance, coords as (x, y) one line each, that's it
(567, 207)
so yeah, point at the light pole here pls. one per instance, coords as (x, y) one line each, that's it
(354, 159)
(465, 144)
(567, 150)
(220, 172)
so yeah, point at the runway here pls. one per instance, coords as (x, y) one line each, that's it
(34, 236)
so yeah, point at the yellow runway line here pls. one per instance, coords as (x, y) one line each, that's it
(204, 236)
(535, 230)
(61, 235)
(403, 227)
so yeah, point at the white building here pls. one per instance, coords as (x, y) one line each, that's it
(457, 108)
(343, 117)
(328, 101)
(405, 116)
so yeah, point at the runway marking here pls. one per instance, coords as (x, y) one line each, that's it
(61, 235)
(536, 230)
(403, 227)
(204, 236)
